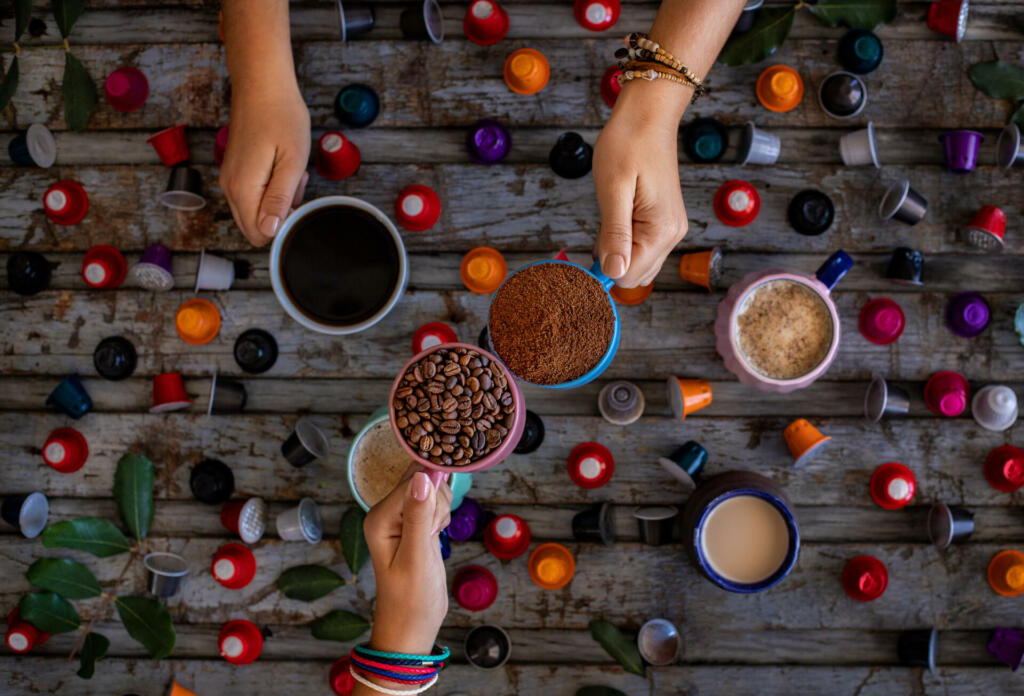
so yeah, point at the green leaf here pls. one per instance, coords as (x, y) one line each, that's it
(133, 491)
(599, 691)
(22, 15)
(67, 12)
(1018, 116)
(65, 577)
(339, 625)
(94, 648)
(49, 612)
(616, 644)
(769, 31)
(79, 93)
(308, 582)
(353, 543)
(998, 79)
(856, 14)
(148, 622)
(98, 537)
(10, 84)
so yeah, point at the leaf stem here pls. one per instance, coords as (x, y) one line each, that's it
(107, 597)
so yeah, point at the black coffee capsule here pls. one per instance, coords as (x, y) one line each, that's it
(423, 21)
(533, 434)
(306, 443)
(842, 95)
(114, 358)
(571, 156)
(594, 524)
(212, 482)
(811, 212)
(226, 396)
(255, 351)
(28, 272)
(184, 189)
(917, 648)
(655, 523)
(906, 266)
(483, 339)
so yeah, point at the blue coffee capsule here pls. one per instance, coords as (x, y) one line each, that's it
(705, 140)
(70, 397)
(860, 51)
(28, 272)
(446, 545)
(33, 148)
(357, 105)
(686, 463)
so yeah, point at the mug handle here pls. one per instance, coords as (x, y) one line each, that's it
(834, 268)
(606, 282)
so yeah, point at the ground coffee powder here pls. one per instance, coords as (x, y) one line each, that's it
(551, 323)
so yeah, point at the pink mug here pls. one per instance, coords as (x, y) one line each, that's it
(830, 273)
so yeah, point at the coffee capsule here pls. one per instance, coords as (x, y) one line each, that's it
(301, 522)
(103, 267)
(591, 465)
(705, 140)
(212, 482)
(687, 396)
(220, 144)
(610, 85)
(1018, 322)
(1004, 468)
(336, 156)
(658, 642)
(946, 393)
(995, 407)
(595, 524)
(474, 588)
(306, 443)
(746, 20)
(460, 483)
(736, 203)
(164, 572)
(340, 677)
(465, 520)
(967, 314)
(233, 566)
(948, 524)
(596, 15)
(859, 147)
(176, 688)
(903, 203)
(881, 321)
(255, 351)
(65, 203)
(246, 518)
(70, 397)
(779, 88)
(1006, 573)
(126, 89)
(961, 149)
(811, 212)
(631, 296)
(803, 440)
(686, 463)
(526, 71)
(483, 270)
(240, 642)
(197, 321)
(1007, 646)
(949, 18)
(842, 95)
(1009, 148)
(551, 566)
(860, 51)
(621, 402)
(486, 22)
(354, 20)
(917, 648)
(883, 398)
(906, 266)
(226, 396)
(487, 647)
(171, 145)
(417, 208)
(893, 485)
(507, 537)
(655, 523)
(214, 272)
(488, 142)
(114, 358)
(571, 157)
(865, 578)
(434, 333)
(35, 147)
(28, 272)
(184, 189)
(356, 105)
(987, 229)
(153, 271)
(703, 268)
(66, 450)
(758, 146)
(22, 636)
(169, 393)
(423, 21)
(28, 513)
(533, 434)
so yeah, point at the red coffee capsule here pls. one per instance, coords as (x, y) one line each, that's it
(610, 85)
(1004, 468)
(475, 588)
(169, 393)
(507, 537)
(240, 642)
(417, 208)
(597, 15)
(432, 334)
(737, 203)
(865, 578)
(987, 228)
(66, 450)
(171, 145)
(246, 518)
(485, 23)
(340, 678)
(893, 485)
(126, 89)
(22, 636)
(233, 566)
(104, 267)
(337, 157)
(65, 203)
(591, 465)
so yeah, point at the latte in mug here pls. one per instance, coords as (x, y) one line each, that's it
(378, 463)
(745, 539)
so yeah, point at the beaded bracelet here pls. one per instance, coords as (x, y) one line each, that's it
(642, 41)
(652, 74)
(391, 692)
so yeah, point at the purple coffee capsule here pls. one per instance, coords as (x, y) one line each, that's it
(961, 149)
(465, 520)
(967, 314)
(488, 142)
(1007, 646)
(153, 271)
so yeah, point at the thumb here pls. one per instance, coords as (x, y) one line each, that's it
(277, 197)
(418, 519)
(615, 240)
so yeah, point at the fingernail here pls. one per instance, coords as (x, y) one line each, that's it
(420, 486)
(614, 265)
(269, 225)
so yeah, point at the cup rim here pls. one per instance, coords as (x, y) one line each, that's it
(277, 281)
(163, 572)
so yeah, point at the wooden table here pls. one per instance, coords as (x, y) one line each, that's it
(803, 636)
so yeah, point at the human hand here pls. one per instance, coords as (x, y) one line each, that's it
(402, 534)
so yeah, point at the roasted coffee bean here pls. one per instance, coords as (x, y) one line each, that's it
(490, 403)
(506, 399)
(510, 409)
(403, 392)
(449, 404)
(477, 411)
(449, 439)
(501, 381)
(424, 454)
(484, 360)
(447, 461)
(473, 384)
(451, 382)
(485, 381)
(447, 449)
(464, 441)
(428, 426)
(402, 421)
(436, 450)
(459, 453)
(468, 430)
(452, 368)
(435, 387)
(501, 429)
(457, 390)
(423, 406)
(479, 441)
(483, 425)
(435, 402)
(493, 438)
(417, 374)
(413, 418)
(435, 358)
(510, 420)
(449, 415)
(426, 442)
(450, 427)
(430, 369)
(477, 397)
(416, 433)
(411, 401)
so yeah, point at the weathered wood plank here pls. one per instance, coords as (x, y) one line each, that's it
(946, 456)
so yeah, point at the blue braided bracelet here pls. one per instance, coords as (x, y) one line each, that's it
(406, 659)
